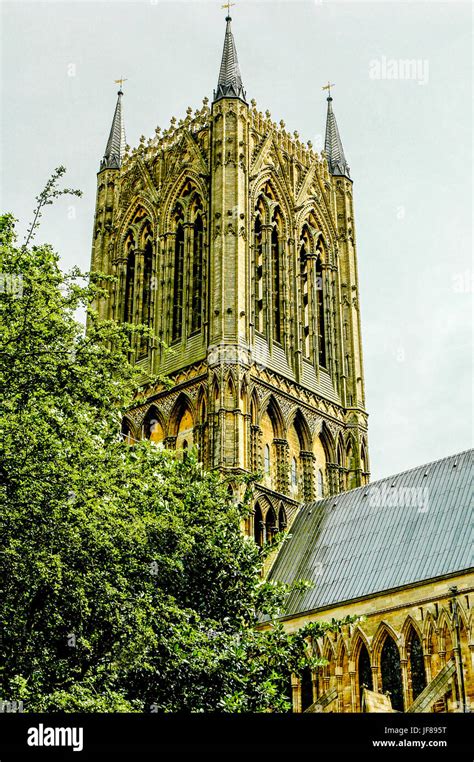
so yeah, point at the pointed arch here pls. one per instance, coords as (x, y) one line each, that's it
(128, 313)
(298, 420)
(259, 306)
(216, 393)
(383, 630)
(153, 426)
(317, 222)
(258, 525)
(127, 431)
(183, 188)
(139, 201)
(391, 672)
(415, 659)
(271, 524)
(342, 650)
(328, 650)
(430, 625)
(182, 419)
(178, 280)
(268, 186)
(342, 661)
(272, 408)
(321, 312)
(364, 677)
(409, 623)
(444, 619)
(386, 654)
(230, 391)
(431, 645)
(254, 408)
(275, 269)
(282, 520)
(197, 274)
(328, 443)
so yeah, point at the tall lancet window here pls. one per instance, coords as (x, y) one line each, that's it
(177, 326)
(128, 313)
(258, 275)
(198, 247)
(322, 355)
(304, 287)
(145, 318)
(276, 303)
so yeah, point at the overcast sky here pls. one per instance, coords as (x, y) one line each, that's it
(407, 141)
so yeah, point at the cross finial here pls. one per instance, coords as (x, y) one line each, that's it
(228, 6)
(120, 82)
(328, 87)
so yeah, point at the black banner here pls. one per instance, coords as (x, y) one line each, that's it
(135, 736)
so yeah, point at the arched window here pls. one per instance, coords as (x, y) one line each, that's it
(306, 689)
(258, 525)
(320, 313)
(391, 673)
(198, 249)
(129, 288)
(266, 459)
(304, 286)
(185, 430)
(271, 527)
(126, 432)
(364, 671)
(146, 294)
(258, 275)
(416, 664)
(282, 523)
(276, 306)
(294, 473)
(177, 326)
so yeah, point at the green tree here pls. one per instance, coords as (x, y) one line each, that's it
(126, 582)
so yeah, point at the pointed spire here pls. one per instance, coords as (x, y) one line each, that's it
(230, 81)
(333, 144)
(115, 148)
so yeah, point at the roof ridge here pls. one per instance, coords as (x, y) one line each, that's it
(416, 468)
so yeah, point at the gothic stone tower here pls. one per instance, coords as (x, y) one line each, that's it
(235, 243)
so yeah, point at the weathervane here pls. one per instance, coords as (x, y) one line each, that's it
(328, 87)
(120, 81)
(228, 6)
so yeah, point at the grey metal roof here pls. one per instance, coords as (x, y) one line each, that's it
(230, 82)
(404, 529)
(333, 145)
(115, 148)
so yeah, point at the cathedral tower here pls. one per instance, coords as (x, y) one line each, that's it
(235, 243)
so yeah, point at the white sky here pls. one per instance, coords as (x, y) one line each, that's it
(408, 146)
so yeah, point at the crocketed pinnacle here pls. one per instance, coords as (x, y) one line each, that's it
(115, 148)
(333, 146)
(230, 81)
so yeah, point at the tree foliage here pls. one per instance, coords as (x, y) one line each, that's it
(126, 582)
